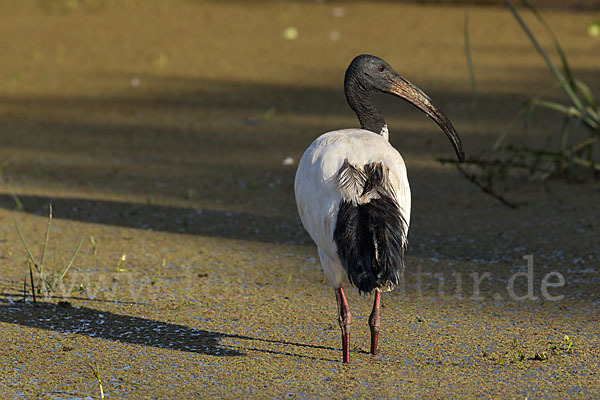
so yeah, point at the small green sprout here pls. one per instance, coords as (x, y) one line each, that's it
(94, 245)
(567, 340)
(56, 279)
(122, 259)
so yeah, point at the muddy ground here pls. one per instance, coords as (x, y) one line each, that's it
(158, 131)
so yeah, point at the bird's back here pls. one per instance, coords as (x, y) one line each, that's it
(353, 198)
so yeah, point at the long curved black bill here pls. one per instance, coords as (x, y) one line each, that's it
(409, 92)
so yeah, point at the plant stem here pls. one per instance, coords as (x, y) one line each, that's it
(32, 284)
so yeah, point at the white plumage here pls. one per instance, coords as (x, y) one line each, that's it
(318, 194)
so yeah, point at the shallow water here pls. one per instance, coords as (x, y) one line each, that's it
(162, 129)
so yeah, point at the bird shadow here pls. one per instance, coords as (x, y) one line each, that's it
(66, 318)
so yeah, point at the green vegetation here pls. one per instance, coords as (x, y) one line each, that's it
(52, 282)
(544, 163)
(569, 343)
(505, 357)
(17, 201)
(567, 153)
(96, 372)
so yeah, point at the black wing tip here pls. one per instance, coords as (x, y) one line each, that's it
(365, 282)
(371, 237)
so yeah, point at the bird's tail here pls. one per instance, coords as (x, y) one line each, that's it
(370, 231)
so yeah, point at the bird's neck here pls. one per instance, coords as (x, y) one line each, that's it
(369, 116)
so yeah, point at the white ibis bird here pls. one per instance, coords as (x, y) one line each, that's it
(353, 196)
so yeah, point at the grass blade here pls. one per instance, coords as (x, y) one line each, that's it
(571, 85)
(32, 284)
(586, 163)
(587, 94)
(26, 247)
(467, 43)
(557, 46)
(46, 242)
(54, 269)
(62, 274)
(569, 111)
(559, 75)
(96, 372)
(17, 201)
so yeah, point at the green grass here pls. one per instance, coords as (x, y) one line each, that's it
(582, 108)
(50, 283)
(571, 156)
(468, 53)
(96, 373)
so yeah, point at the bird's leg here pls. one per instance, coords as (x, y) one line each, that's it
(375, 322)
(345, 319)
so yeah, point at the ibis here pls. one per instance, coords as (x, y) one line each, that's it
(353, 196)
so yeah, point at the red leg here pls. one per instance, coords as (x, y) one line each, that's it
(345, 319)
(375, 322)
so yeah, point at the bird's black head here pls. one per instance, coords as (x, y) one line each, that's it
(367, 74)
(371, 73)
